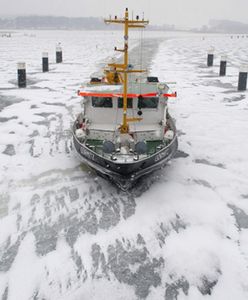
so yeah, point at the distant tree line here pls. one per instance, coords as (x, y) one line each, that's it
(51, 22)
(93, 23)
(223, 26)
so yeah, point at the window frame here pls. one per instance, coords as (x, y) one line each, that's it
(144, 99)
(129, 100)
(96, 106)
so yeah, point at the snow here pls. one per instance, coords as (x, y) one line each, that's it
(67, 234)
(102, 88)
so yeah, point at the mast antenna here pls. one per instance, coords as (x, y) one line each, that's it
(124, 67)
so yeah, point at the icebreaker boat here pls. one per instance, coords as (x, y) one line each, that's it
(124, 130)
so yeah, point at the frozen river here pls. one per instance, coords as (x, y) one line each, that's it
(65, 233)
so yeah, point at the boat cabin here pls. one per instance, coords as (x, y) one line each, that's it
(103, 110)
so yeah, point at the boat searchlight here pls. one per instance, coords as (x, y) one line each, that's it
(161, 87)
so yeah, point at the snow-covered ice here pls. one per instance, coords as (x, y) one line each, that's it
(181, 233)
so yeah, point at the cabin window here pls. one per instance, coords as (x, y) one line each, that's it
(129, 102)
(148, 102)
(102, 102)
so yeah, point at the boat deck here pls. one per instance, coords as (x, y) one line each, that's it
(96, 146)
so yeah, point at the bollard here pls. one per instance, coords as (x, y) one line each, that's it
(21, 75)
(210, 61)
(59, 58)
(45, 63)
(242, 78)
(223, 60)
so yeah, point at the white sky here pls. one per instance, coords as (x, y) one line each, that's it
(179, 12)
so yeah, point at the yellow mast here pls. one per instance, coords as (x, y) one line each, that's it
(124, 67)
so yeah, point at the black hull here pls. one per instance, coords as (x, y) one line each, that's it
(125, 174)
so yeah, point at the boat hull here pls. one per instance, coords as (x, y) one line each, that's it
(125, 174)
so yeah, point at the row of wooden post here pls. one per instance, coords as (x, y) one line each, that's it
(242, 82)
(21, 66)
(22, 78)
